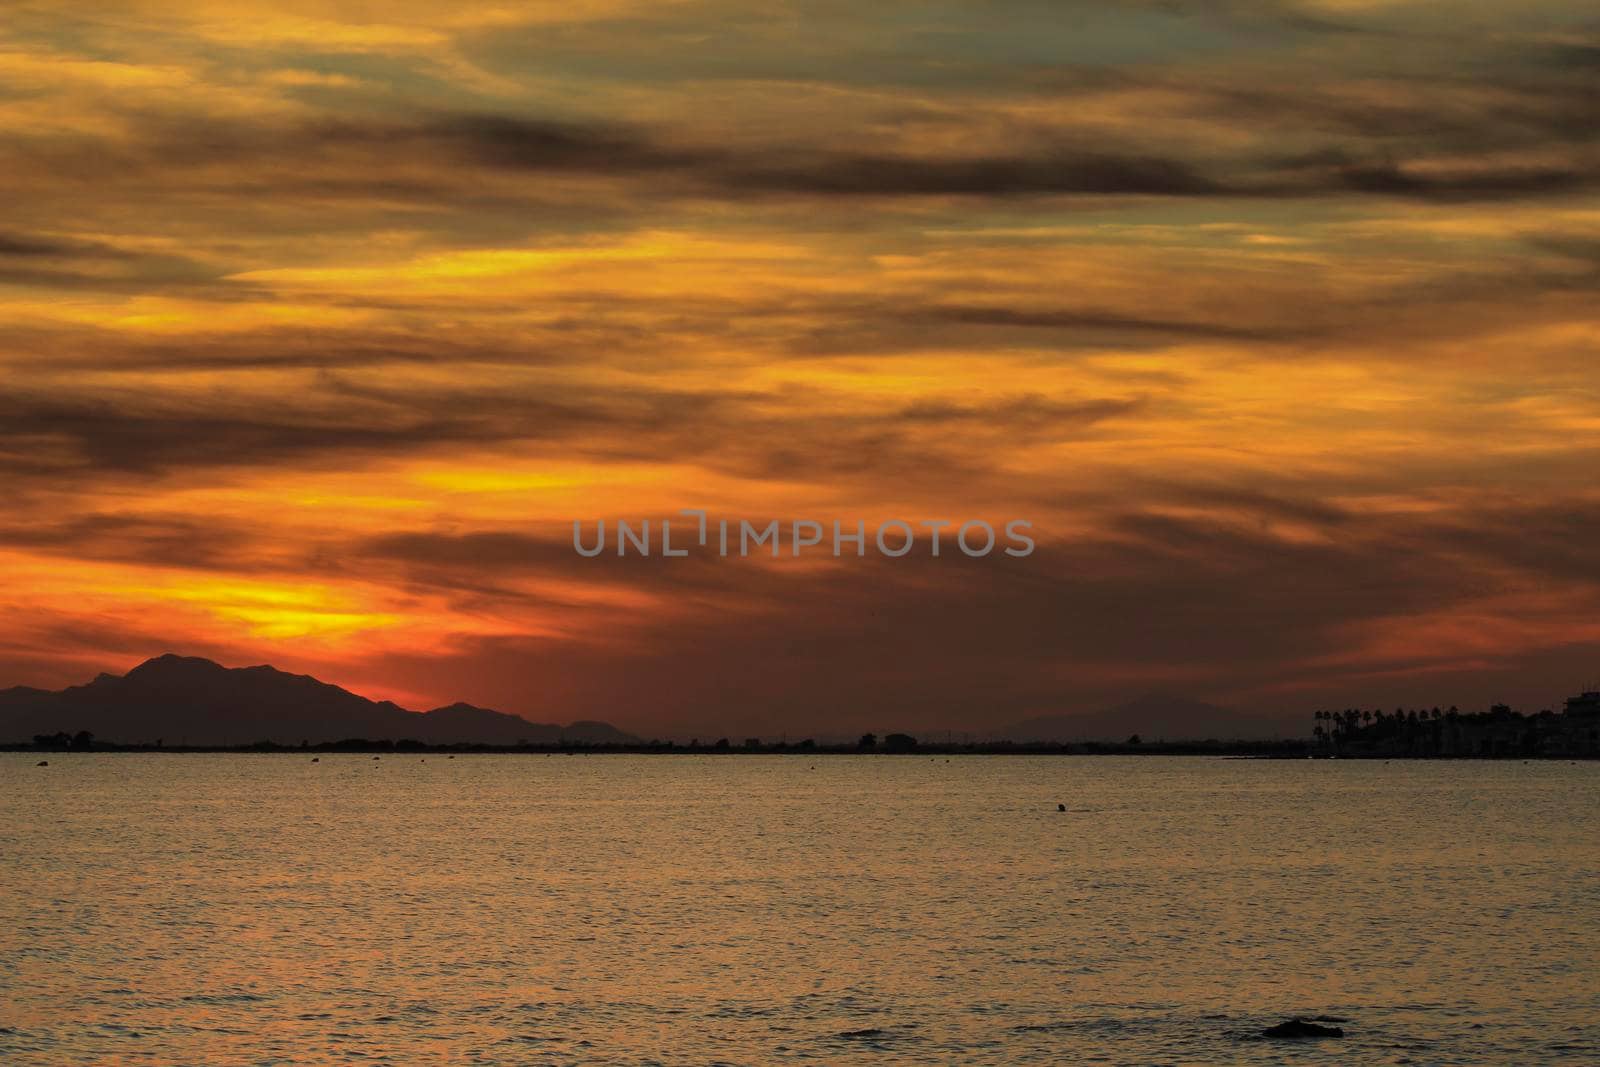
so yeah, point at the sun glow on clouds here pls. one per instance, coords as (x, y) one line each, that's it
(326, 320)
(277, 610)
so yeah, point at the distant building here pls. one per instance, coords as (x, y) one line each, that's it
(1586, 705)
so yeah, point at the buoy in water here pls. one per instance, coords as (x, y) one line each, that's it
(1061, 807)
(316, 759)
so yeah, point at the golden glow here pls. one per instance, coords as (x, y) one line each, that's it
(325, 320)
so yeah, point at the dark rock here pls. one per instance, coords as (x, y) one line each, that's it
(42, 763)
(1061, 807)
(1298, 1028)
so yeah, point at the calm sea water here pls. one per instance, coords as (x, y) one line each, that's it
(680, 910)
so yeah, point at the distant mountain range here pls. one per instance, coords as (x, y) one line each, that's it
(185, 700)
(1153, 718)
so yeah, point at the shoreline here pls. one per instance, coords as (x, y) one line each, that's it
(1288, 750)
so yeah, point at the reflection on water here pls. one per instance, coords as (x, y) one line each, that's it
(228, 909)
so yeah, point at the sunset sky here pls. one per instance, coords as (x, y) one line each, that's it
(323, 321)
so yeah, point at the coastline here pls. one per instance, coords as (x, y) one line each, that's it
(1288, 750)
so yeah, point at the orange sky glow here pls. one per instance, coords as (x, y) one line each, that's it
(324, 321)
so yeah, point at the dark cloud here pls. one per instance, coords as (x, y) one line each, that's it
(57, 262)
(1041, 165)
(1552, 539)
(1582, 56)
(1388, 149)
(538, 145)
(24, 245)
(53, 437)
(1581, 248)
(154, 540)
(1091, 320)
(1026, 412)
(948, 642)
(750, 434)
(1045, 172)
(1215, 603)
(1258, 503)
(1040, 168)
(1418, 113)
(532, 144)
(296, 348)
(1495, 183)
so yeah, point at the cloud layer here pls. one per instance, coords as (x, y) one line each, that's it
(1276, 319)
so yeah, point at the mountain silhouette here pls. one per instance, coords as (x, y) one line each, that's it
(188, 700)
(1153, 717)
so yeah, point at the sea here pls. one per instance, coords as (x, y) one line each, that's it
(769, 909)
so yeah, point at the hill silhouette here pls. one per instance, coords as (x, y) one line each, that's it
(188, 700)
(1151, 717)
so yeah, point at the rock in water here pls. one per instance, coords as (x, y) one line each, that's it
(1297, 1028)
